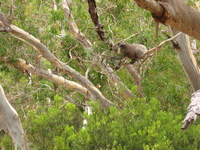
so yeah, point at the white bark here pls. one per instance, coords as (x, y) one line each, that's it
(73, 27)
(54, 4)
(187, 60)
(56, 79)
(193, 110)
(10, 123)
(45, 52)
(175, 13)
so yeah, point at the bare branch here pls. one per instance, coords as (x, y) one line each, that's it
(95, 18)
(160, 45)
(55, 79)
(151, 5)
(44, 51)
(73, 27)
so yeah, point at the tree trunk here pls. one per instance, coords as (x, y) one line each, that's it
(175, 13)
(10, 123)
(187, 60)
(184, 18)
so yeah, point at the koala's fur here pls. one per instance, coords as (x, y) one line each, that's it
(131, 51)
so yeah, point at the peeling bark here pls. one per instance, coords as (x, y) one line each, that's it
(10, 123)
(193, 110)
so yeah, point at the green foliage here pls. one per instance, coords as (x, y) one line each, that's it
(163, 73)
(52, 121)
(150, 123)
(6, 142)
(139, 125)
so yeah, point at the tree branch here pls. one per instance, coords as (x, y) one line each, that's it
(151, 5)
(187, 60)
(99, 60)
(152, 50)
(55, 79)
(95, 18)
(136, 77)
(73, 27)
(31, 40)
(175, 13)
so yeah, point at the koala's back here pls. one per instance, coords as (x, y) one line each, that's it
(140, 50)
(133, 51)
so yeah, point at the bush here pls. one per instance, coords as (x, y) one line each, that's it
(139, 125)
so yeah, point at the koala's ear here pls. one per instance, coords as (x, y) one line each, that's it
(120, 43)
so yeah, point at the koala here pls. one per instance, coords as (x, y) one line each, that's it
(130, 51)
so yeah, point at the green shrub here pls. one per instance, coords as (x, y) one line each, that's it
(139, 125)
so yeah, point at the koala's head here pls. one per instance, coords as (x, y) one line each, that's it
(117, 47)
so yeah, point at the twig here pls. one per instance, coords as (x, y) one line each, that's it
(134, 34)
(161, 44)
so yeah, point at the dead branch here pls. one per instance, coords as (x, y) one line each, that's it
(95, 18)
